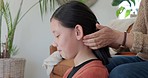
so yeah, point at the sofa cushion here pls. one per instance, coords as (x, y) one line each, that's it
(62, 67)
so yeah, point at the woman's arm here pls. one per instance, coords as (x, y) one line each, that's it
(139, 30)
(137, 40)
(107, 37)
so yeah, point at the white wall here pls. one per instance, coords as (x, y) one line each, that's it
(33, 35)
(104, 11)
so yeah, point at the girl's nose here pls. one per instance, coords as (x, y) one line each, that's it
(55, 44)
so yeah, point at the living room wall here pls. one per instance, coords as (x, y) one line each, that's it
(104, 11)
(33, 36)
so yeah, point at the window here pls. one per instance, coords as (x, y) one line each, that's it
(134, 9)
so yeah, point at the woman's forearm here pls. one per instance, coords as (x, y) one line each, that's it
(119, 41)
(129, 40)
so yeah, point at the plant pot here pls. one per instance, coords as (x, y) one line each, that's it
(12, 67)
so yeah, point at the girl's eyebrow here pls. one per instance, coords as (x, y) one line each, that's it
(53, 31)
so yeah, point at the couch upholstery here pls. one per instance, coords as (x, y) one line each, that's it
(61, 68)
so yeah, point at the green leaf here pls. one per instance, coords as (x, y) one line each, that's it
(13, 28)
(117, 2)
(18, 15)
(14, 50)
(41, 7)
(16, 19)
(7, 16)
(83, 1)
(127, 13)
(1, 14)
(52, 5)
(1, 4)
(44, 6)
(133, 2)
(129, 2)
(1, 11)
(119, 11)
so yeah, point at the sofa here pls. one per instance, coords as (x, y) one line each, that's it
(60, 68)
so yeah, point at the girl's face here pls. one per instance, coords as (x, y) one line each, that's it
(65, 39)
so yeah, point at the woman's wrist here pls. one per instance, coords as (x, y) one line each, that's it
(119, 38)
(129, 40)
(121, 41)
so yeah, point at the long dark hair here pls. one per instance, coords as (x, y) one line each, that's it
(73, 13)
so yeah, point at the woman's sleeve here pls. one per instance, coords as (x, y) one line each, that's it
(139, 30)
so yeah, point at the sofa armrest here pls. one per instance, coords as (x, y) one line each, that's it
(60, 69)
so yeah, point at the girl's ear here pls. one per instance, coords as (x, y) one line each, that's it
(78, 32)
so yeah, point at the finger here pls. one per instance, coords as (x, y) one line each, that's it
(93, 35)
(90, 44)
(93, 40)
(94, 48)
(97, 44)
(99, 26)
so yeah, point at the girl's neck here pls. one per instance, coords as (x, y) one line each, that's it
(83, 55)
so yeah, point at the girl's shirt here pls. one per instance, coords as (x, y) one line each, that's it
(90, 69)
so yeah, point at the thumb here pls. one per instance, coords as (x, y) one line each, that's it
(98, 26)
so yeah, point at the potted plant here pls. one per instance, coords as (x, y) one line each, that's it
(121, 9)
(10, 67)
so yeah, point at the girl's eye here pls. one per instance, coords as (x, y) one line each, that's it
(57, 36)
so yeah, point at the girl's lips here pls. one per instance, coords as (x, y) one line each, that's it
(60, 51)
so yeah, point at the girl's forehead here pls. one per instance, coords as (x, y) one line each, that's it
(55, 24)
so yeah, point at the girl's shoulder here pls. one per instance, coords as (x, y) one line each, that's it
(94, 69)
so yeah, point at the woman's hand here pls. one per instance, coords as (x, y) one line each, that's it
(104, 37)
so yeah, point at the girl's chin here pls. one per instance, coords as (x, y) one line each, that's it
(68, 58)
(62, 56)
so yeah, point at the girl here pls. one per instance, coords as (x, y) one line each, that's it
(69, 24)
